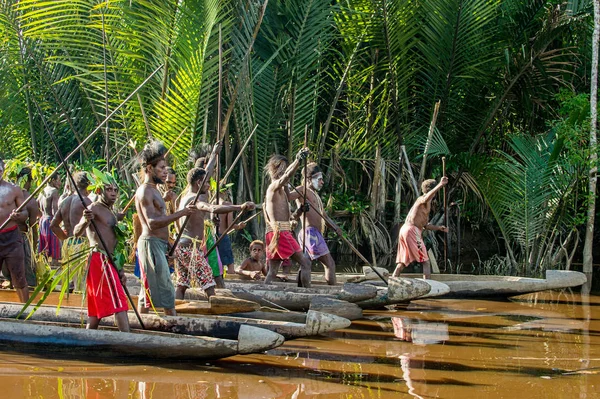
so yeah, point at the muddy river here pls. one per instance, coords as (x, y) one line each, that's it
(544, 345)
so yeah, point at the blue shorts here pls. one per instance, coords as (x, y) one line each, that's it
(225, 251)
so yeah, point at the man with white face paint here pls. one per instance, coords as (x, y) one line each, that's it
(316, 247)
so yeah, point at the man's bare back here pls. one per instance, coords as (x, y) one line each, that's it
(48, 201)
(194, 230)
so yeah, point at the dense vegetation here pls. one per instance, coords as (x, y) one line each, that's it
(360, 76)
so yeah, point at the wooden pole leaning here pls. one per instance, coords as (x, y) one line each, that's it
(85, 141)
(445, 214)
(102, 242)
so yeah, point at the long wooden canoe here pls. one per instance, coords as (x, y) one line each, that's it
(216, 304)
(312, 323)
(474, 286)
(44, 337)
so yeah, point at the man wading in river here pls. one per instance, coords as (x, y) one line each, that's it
(316, 247)
(105, 293)
(11, 240)
(280, 240)
(411, 247)
(152, 247)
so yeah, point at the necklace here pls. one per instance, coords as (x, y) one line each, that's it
(150, 184)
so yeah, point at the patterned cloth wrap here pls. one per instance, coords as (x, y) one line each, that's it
(315, 243)
(192, 267)
(410, 245)
(48, 242)
(105, 294)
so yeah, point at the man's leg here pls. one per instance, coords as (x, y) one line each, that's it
(92, 323)
(273, 266)
(220, 281)
(304, 272)
(122, 321)
(210, 291)
(329, 266)
(180, 292)
(170, 312)
(23, 294)
(398, 269)
(426, 269)
(230, 269)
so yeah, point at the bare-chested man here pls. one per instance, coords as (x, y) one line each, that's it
(11, 240)
(190, 254)
(153, 245)
(65, 208)
(280, 240)
(49, 244)
(168, 191)
(105, 293)
(315, 246)
(411, 247)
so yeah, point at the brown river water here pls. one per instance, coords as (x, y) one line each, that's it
(544, 345)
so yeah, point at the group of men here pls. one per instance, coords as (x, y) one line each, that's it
(158, 208)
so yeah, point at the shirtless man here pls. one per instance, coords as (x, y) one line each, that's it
(280, 240)
(105, 293)
(66, 206)
(411, 247)
(33, 212)
(190, 254)
(168, 190)
(153, 245)
(11, 240)
(253, 267)
(49, 244)
(316, 247)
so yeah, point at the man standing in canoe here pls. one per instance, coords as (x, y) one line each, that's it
(153, 245)
(280, 240)
(105, 293)
(11, 240)
(411, 247)
(316, 247)
(191, 263)
(49, 244)
(63, 214)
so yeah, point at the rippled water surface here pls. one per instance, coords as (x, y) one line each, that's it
(544, 345)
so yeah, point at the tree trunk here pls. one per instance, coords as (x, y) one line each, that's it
(591, 213)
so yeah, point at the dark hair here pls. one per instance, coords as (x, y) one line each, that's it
(194, 175)
(152, 154)
(311, 170)
(170, 170)
(428, 185)
(81, 180)
(25, 171)
(200, 163)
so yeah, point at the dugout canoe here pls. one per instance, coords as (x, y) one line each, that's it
(474, 286)
(216, 305)
(45, 337)
(312, 323)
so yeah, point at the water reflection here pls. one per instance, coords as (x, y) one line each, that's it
(544, 345)
(419, 332)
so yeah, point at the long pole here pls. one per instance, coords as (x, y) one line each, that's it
(445, 214)
(216, 217)
(304, 197)
(349, 244)
(239, 155)
(88, 138)
(227, 230)
(107, 252)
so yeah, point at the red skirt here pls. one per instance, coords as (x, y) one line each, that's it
(105, 294)
(286, 247)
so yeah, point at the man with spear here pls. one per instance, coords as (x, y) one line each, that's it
(49, 244)
(152, 246)
(11, 240)
(280, 240)
(105, 293)
(63, 214)
(311, 235)
(411, 247)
